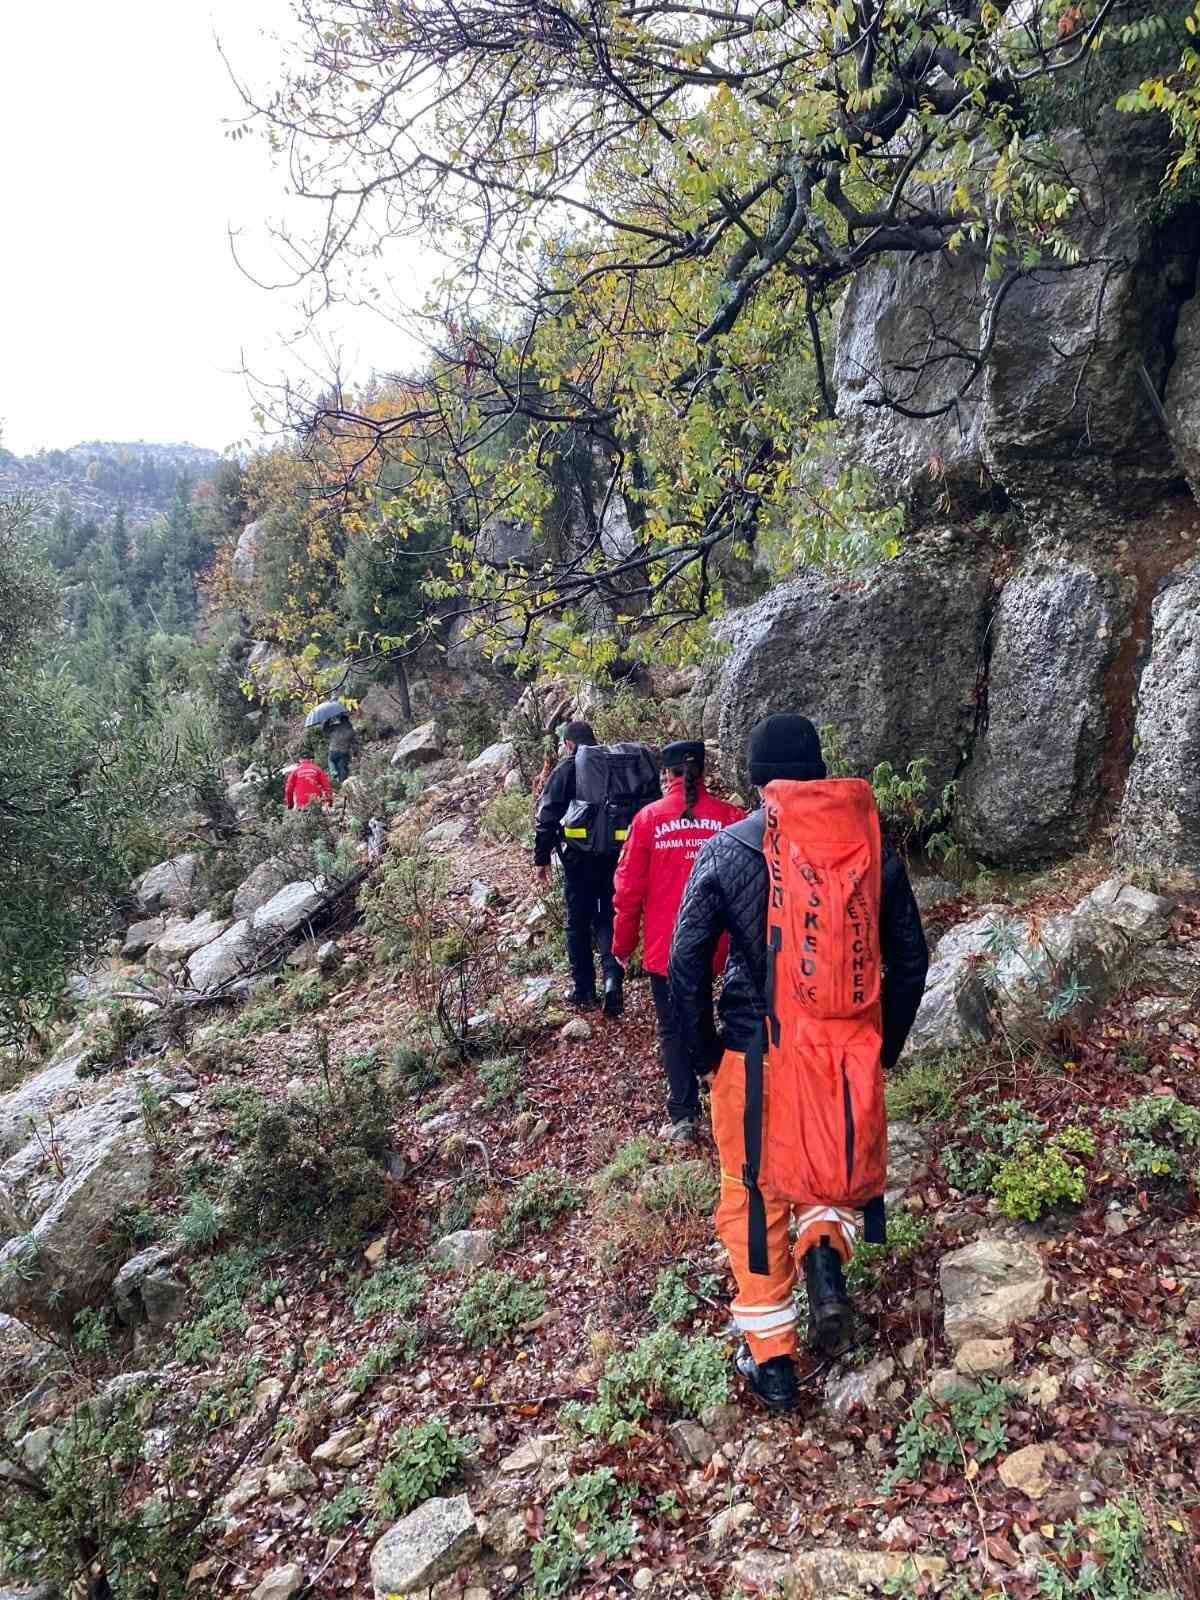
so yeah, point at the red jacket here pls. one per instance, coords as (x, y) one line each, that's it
(655, 866)
(307, 782)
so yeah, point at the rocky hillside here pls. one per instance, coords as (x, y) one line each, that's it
(340, 1260)
(99, 478)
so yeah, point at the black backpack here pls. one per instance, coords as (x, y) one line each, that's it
(612, 784)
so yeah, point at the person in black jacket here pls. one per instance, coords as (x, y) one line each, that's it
(587, 884)
(727, 892)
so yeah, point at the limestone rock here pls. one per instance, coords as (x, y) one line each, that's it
(167, 887)
(578, 1029)
(422, 745)
(496, 758)
(947, 1384)
(693, 1442)
(989, 1285)
(976, 1356)
(730, 1521)
(245, 554)
(481, 895)
(145, 1290)
(267, 878)
(1053, 636)
(1124, 905)
(289, 1476)
(912, 693)
(1071, 947)
(183, 937)
(290, 908)
(850, 1574)
(444, 835)
(283, 1582)
(1160, 813)
(954, 1008)
(1025, 1470)
(1182, 400)
(229, 956)
(427, 1545)
(858, 1387)
(140, 936)
(931, 892)
(470, 1247)
(531, 1453)
(28, 1103)
(907, 1158)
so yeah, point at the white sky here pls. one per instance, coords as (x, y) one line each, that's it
(122, 312)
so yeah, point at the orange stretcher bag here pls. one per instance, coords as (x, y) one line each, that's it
(818, 1113)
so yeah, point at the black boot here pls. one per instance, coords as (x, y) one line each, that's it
(773, 1384)
(830, 1314)
(581, 1002)
(614, 993)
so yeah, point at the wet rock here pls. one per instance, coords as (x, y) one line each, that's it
(1182, 399)
(954, 1009)
(908, 1157)
(931, 892)
(427, 1545)
(987, 1286)
(1124, 905)
(416, 749)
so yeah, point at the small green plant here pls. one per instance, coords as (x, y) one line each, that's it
(926, 1091)
(509, 817)
(626, 1167)
(199, 1222)
(419, 1461)
(450, 948)
(905, 1236)
(1035, 1179)
(1172, 1375)
(974, 1417)
(494, 1305)
(537, 1202)
(684, 1189)
(247, 1105)
(672, 1300)
(224, 1283)
(138, 1226)
(588, 1519)
(1114, 1566)
(1161, 1134)
(392, 1290)
(337, 1513)
(381, 1359)
(415, 1071)
(685, 1375)
(501, 1080)
(987, 1134)
(90, 1333)
(457, 1208)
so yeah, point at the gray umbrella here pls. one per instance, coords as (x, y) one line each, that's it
(328, 712)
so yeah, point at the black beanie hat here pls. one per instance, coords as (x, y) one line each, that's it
(683, 750)
(784, 746)
(579, 733)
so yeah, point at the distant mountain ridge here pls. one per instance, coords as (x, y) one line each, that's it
(98, 477)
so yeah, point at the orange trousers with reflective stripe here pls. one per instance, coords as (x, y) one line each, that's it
(765, 1309)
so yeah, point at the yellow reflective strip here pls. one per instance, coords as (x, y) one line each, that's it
(575, 833)
(620, 833)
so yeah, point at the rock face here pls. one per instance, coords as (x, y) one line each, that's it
(989, 1285)
(224, 959)
(496, 758)
(427, 1545)
(954, 1008)
(183, 937)
(1182, 400)
(61, 1192)
(1053, 637)
(141, 936)
(245, 553)
(267, 879)
(1060, 417)
(416, 749)
(1160, 814)
(146, 1290)
(168, 886)
(26, 1105)
(290, 908)
(890, 660)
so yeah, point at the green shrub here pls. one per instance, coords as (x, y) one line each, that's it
(383, 1359)
(686, 1375)
(247, 1105)
(1035, 1179)
(905, 1236)
(1173, 1375)
(501, 1080)
(494, 1305)
(223, 1285)
(414, 1070)
(402, 910)
(925, 1091)
(974, 1416)
(419, 1461)
(316, 1167)
(337, 1513)
(508, 816)
(1102, 1555)
(537, 1202)
(684, 1189)
(672, 1300)
(392, 1289)
(986, 1136)
(588, 1518)
(1161, 1135)
(200, 1222)
(626, 1167)
(450, 948)
(457, 1208)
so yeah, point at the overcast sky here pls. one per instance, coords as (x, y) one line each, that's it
(122, 313)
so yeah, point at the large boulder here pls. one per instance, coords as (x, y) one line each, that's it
(1033, 783)
(267, 878)
(497, 757)
(1160, 812)
(167, 887)
(184, 936)
(1182, 400)
(25, 1106)
(422, 745)
(140, 936)
(62, 1191)
(427, 1545)
(290, 907)
(955, 1005)
(230, 956)
(989, 1285)
(889, 659)
(1060, 417)
(146, 1290)
(245, 554)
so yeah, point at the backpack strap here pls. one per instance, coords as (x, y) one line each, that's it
(752, 1132)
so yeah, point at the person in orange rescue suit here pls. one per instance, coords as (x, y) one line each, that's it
(826, 969)
(659, 854)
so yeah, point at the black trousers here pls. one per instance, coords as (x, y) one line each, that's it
(683, 1086)
(588, 885)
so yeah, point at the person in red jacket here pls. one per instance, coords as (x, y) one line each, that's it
(662, 847)
(307, 782)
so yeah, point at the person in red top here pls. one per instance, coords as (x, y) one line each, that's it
(658, 857)
(307, 782)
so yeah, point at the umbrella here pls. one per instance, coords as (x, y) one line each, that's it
(328, 712)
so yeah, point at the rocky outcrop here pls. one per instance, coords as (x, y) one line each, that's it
(167, 887)
(141, 935)
(62, 1191)
(183, 937)
(889, 659)
(1060, 418)
(427, 1545)
(1160, 813)
(416, 749)
(245, 554)
(1182, 399)
(267, 878)
(290, 908)
(147, 1290)
(1033, 783)
(226, 958)
(24, 1107)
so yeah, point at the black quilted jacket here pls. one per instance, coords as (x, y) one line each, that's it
(728, 891)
